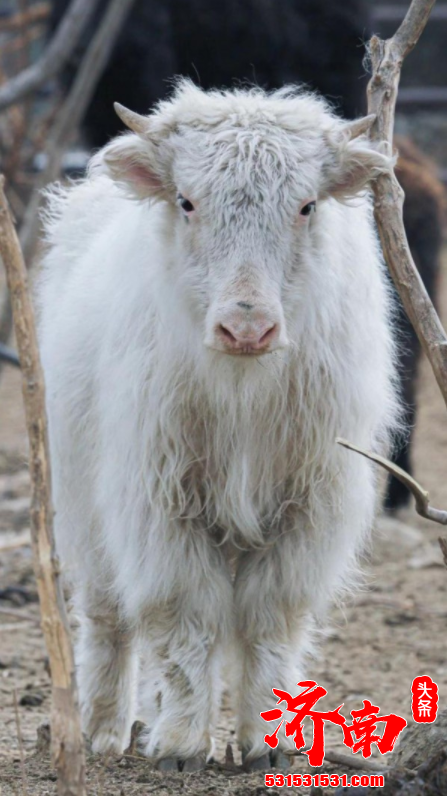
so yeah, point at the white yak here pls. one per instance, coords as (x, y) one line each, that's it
(214, 313)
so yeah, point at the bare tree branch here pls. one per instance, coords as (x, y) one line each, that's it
(331, 756)
(68, 748)
(72, 112)
(386, 59)
(411, 27)
(420, 495)
(339, 759)
(54, 57)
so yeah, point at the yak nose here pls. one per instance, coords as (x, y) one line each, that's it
(247, 330)
(248, 340)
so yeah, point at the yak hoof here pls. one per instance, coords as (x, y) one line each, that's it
(168, 764)
(188, 766)
(196, 763)
(273, 759)
(279, 760)
(258, 763)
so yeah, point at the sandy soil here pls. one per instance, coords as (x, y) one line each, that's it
(392, 631)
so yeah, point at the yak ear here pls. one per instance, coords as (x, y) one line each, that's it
(132, 162)
(353, 160)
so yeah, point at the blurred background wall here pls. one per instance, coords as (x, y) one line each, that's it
(159, 25)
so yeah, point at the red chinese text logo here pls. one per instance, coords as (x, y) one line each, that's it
(358, 736)
(424, 703)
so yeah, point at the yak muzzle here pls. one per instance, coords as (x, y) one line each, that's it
(243, 328)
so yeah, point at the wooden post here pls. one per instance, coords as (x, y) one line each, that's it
(67, 741)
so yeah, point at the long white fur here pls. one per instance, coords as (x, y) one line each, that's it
(201, 500)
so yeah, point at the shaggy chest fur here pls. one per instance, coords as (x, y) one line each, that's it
(241, 468)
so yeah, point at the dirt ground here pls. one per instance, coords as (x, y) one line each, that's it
(392, 631)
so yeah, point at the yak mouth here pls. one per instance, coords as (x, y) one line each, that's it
(244, 352)
(247, 354)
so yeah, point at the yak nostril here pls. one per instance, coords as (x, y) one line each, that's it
(251, 340)
(266, 337)
(226, 333)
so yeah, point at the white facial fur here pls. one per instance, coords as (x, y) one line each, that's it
(247, 164)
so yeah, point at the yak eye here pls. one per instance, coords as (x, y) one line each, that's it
(185, 204)
(307, 209)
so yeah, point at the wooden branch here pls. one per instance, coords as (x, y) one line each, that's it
(54, 57)
(411, 27)
(386, 59)
(68, 748)
(338, 759)
(72, 112)
(420, 495)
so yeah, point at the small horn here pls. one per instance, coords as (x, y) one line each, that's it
(132, 120)
(360, 126)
